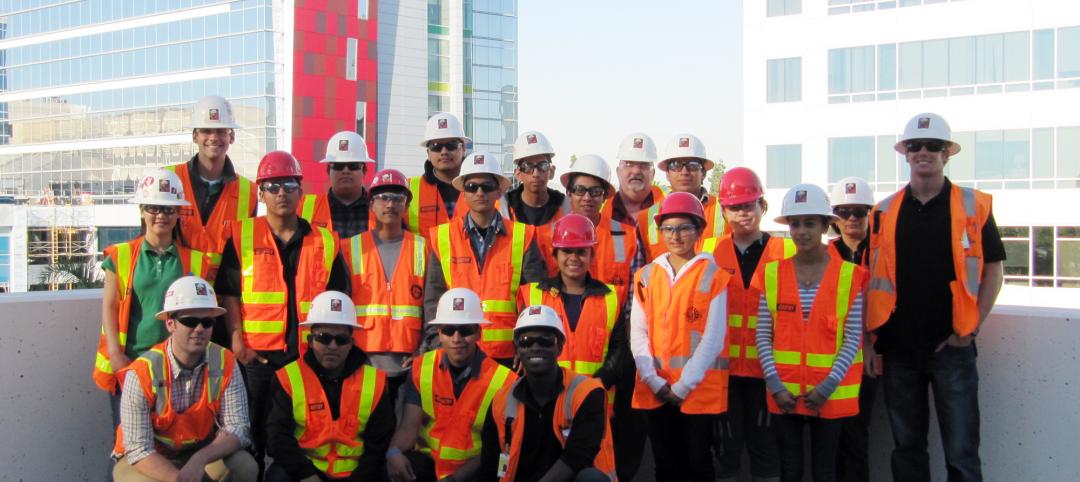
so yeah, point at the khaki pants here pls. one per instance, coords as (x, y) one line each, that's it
(238, 467)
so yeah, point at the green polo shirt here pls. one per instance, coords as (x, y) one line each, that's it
(153, 274)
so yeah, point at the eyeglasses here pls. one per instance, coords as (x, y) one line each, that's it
(155, 210)
(527, 168)
(390, 197)
(193, 321)
(932, 145)
(677, 229)
(465, 330)
(487, 187)
(526, 341)
(273, 187)
(593, 192)
(847, 212)
(574, 251)
(341, 166)
(326, 338)
(687, 164)
(449, 145)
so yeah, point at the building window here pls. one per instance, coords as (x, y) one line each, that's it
(1068, 157)
(851, 70)
(783, 166)
(1042, 256)
(1042, 54)
(5, 261)
(851, 156)
(110, 235)
(351, 47)
(361, 114)
(784, 82)
(362, 9)
(1068, 52)
(777, 8)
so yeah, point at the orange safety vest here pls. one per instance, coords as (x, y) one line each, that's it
(124, 256)
(586, 347)
(451, 434)
(177, 432)
(608, 209)
(715, 227)
(805, 349)
(264, 294)
(333, 446)
(742, 303)
(616, 247)
(389, 312)
(969, 212)
(237, 200)
(315, 208)
(508, 413)
(676, 316)
(497, 285)
(427, 209)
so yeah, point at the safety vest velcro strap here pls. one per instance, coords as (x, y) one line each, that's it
(258, 326)
(263, 297)
(498, 306)
(497, 334)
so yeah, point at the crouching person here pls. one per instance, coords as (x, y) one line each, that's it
(183, 413)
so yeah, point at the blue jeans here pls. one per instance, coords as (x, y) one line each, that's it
(953, 376)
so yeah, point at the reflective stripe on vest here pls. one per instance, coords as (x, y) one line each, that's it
(414, 206)
(427, 376)
(619, 241)
(721, 362)
(843, 301)
(347, 456)
(243, 200)
(611, 305)
(307, 209)
(654, 236)
(159, 385)
(396, 312)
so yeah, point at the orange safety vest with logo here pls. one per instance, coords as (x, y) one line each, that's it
(388, 312)
(427, 209)
(616, 247)
(264, 295)
(508, 413)
(608, 209)
(715, 227)
(586, 347)
(969, 212)
(676, 316)
(177, 432)
(237, 200)
(497, 284)
(124, 256)
(742, 303)
(805, 349)
(451, 433)
(333, 446)
(315, 208)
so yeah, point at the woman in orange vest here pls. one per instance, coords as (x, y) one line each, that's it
(808, 333)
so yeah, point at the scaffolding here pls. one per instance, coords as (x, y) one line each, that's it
(61, 247)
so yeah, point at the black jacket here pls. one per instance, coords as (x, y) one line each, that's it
(517, 206)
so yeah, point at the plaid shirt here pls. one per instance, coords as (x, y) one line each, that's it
(186, 390)
(349, 219)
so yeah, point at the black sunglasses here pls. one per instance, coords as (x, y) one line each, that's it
(465, 330)
(154, 209)
(526, 341)
(273, 187)
(487, 187)
(449, 145)
(341, 166)
(847, 212)
(593, 192)
(193, 321)
(931, 145)
(527, 168)
(690, 165)
(326, 338)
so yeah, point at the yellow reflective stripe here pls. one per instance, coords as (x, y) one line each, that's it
(845, 392)
(427, 375)
(735, 351)
(536, 295)
(566, 364)
(123, 267)
(843, 298)
(709, 245)
(517, 255)
(247, 256)
(445, 253)
(257, 326)
(497, 381)
(101, 362)
(789, 248)
(653, 235)
(820, 360)
(587, 368)
(611, 304)
(402, 311)
(367, 399)
(718, 221)
(328, 242)
(771, 294)
(243, 203)
(372, 310)
(751, 322)
(496, 334)
(346, 465)
(196, 263)
(414, 206)
(305, 307)
(263, 297)
(419, 258)
(787, 357)
(795, 388)
(307, 208)
(498, 306)
(735, 321)
(356, 247)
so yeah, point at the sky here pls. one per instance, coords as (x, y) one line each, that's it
(590, 72)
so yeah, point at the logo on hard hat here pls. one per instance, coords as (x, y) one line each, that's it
(800, 196)
(684, 142)
(478, 159)
(639, 143)
(335, 305)
(459, 304)
(343, 145)
(442, 123)
(924, 123)
(213, 114)
(163, 185)
(387, 177)
(531, 138)
(849, 188)
(200, 290)
(534, 310)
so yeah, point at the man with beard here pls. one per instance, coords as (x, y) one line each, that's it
(344, 208)
(533, 202)
(637, 156)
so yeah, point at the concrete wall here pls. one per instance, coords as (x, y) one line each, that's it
(56, 422)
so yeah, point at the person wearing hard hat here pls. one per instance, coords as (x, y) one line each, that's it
(344, 207)
(637, 158)
(447, 398)
(216, 193)
(272, 269)
(808, 333)
(747, 422)
(685, 163)
(935, 272)
(435, 199)
(677, 329)
(184, 413)
(485, 252)
(532, 202)
(550, 424)
(388, 266)
(330, 417)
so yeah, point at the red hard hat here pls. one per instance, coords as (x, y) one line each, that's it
(574, 231)
(682, 203)
(278, 164)
(388, 179)
(740, 185)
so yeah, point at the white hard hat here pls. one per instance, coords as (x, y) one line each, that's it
(592, 165)
(480, 163)
(539, 316)
(212, 112)
(805, 200)
(332, 308)
(443, 125)
(532, 143)
(189, 293)
(159, 187)
(683, 146)
(927, 126)
(459, 306)
(851, 190)
(637, 147)
(346, 146)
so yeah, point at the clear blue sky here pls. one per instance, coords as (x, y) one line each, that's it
(592, 71)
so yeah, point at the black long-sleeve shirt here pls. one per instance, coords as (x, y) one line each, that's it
(280, 425)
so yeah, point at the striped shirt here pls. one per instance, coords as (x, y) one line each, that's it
(848, 348)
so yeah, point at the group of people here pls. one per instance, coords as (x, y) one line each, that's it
(446, 327)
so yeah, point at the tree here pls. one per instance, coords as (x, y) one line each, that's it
(70, 274)
(715, 175)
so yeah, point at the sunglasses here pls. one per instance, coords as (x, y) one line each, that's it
(193, 321)
(527, 168)
(439, 146)
(593, 192)
(678, 229)
(742, 207)
(526, 341)
(487, 187)
(273, 187)
(932, 145)
(390, 197)
(326, 338)
(465, 330)
(341, 166)
(847, 212)
(166, 210)
(689, 165)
